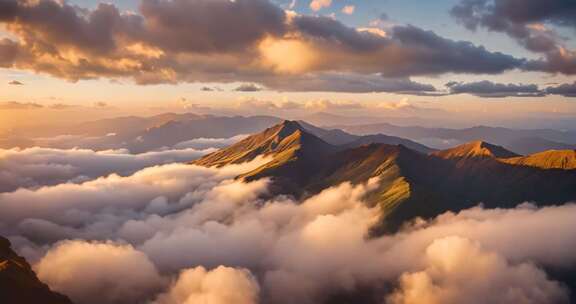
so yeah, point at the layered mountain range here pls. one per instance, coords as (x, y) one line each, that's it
(144, 134)
(411, 183)
(523, 141)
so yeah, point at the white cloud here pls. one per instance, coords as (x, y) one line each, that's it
(348, 9)
(99, 272)
(458, 270)
(207, 143)
(35, 167)
(222, 285)
(317, 5)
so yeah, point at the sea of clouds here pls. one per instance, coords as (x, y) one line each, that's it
(179, 233)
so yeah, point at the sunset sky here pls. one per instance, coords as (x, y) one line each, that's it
(513, 59)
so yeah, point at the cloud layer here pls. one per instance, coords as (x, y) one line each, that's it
(198, 234)
(36, 167)
(246, 40)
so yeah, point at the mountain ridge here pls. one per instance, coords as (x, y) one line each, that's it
(411, 184)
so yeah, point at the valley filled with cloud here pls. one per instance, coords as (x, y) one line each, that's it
(180, 233)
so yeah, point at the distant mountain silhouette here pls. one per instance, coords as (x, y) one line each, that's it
(173, 132)
(516, 140)
(346, 140)
(412, 184)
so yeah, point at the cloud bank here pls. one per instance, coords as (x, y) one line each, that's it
(201, 235)
(531, 23)
(36, 167)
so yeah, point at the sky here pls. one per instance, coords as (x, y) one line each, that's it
(499, 58)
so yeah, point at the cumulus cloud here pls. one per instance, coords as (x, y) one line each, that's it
(494, 90)
(252, 41)
(348, 9)
(460, 271)
(248, 87)
(35, 167)
(528, 22)
(90, 272)
(566, 89)
(222, 285)
(317, 5)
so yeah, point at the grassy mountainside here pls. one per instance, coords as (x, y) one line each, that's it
(19, 284)
(475, 149)
(553, 159)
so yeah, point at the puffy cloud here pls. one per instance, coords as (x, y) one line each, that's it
(460, 271)
(8, 52)
(183, 26)
(207, 143)
(15, 82)
(317, 5)
(114, 198)
(348, 9)
(527, 22)
(34, 167)
(253, 41)
(566, 89)
(248, 87)
(90, 272)
(222, 285)
(476, 13)
(490, 89)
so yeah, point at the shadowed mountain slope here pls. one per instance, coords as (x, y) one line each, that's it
(294, 153)
(19, 284)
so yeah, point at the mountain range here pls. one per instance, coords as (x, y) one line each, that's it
(143, 134)
(522, 141)
(411, 183)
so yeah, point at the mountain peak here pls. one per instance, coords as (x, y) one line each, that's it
(287, 127)
(287, 137)
(475, 149)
